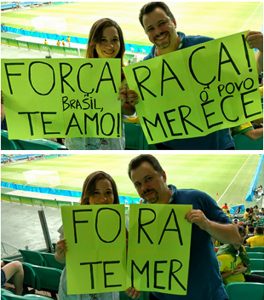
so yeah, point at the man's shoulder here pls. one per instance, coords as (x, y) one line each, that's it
(191, 40)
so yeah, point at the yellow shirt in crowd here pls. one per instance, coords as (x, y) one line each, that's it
(256, 241)
(227, 263)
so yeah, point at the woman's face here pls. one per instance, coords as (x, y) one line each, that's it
(109, 45)
(103, 193)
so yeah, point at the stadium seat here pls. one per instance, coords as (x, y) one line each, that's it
(257, 272)
(48, 279)
(32, 257)
(30, 278)
(7, 144)
(35, 297)
(245, 291)
(256, 264)
(135, 139)
(243, 142)
(258, 255)
(255, 249)
(51, 261)
(37, 144)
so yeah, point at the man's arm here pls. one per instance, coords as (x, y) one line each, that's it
(255, 40)
(225, 233)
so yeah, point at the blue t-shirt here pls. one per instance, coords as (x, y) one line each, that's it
(204, 281)
(219, 140)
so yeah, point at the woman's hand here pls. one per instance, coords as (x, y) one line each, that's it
(61, 249)
(133, 293)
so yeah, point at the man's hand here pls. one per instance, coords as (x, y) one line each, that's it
(197, 217)
(129, 99)
(255, 40)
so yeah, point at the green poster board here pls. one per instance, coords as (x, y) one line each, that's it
(159, 248)
(49, 98)
(197, 90)
(96, 248)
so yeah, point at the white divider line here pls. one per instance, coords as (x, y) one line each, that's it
(237, 173)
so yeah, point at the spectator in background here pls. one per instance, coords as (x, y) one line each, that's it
(58, 43)
(207, 218)
(13, 270)
(68, 41)
(248, 130)
(45, 42)
(105, 41)
(234, 263)
(225, 208)
(258, 239)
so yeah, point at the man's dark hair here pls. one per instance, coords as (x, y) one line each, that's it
(137, 161)
(149, 7)
(259, 230)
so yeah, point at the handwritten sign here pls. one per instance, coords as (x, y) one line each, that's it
(96, 248)
(197, 90)
(159, 248)
(48, 98)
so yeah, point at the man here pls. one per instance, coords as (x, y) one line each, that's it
(204, 282)
(160, 26)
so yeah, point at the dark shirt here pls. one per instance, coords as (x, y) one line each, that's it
(204, 281)
(219, 140)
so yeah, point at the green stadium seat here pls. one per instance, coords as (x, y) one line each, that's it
(32, 257)
(7, 144)
(258, 255)
(37, 144)
(256, 264)
(143, 296)
(35, 297)
(255, 249)
(243, 142)
(245, 291)
(48, 279)
(258, 272)
(51, 261)
(135, 139)
(30, 277)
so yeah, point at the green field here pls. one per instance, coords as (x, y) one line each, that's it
(216, 19)
(225, 177)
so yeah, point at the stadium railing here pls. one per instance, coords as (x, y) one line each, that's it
(245, 290)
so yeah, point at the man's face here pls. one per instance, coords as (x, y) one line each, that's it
(150, 184)
(161, 30)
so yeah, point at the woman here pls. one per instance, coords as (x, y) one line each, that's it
(98, 188)
(105, 41)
